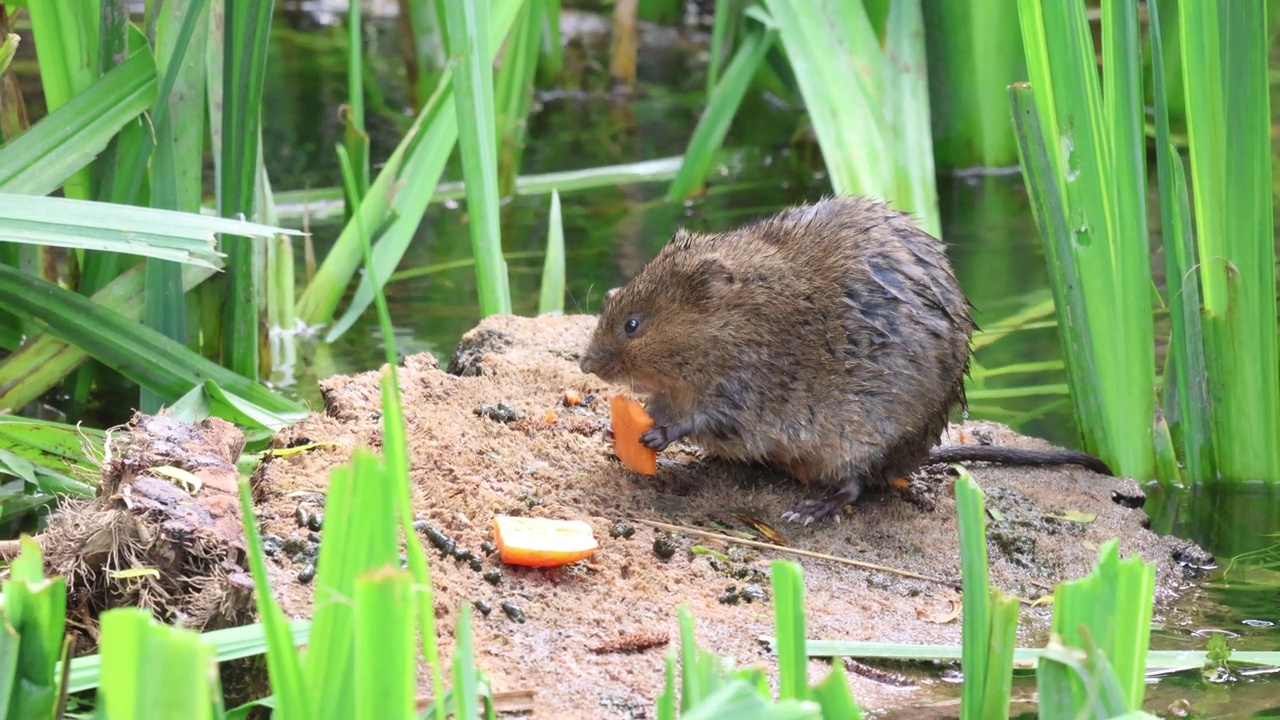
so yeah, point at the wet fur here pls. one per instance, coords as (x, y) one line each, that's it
(830, 341)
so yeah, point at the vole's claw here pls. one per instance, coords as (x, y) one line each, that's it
(655, 438)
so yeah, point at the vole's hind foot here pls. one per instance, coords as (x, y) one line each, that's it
(830, 507)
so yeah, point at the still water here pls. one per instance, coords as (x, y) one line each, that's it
(611, 231)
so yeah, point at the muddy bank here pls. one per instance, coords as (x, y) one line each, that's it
(526, 452)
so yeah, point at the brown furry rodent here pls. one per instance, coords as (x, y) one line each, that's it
(830, 341)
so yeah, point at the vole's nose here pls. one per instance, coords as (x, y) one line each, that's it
(587, 361)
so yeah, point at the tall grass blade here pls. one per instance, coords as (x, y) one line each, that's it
(724, 26)
(1224, 72)
(8, 48)
(383, 660)
(788, 600)
(465, 687)
(154, 671)
(1186, 385)
(722, 106)
(1112, 607)
(906, 100)
(284, 667)
(513, 92)
(976, 613)
(248, 23)
(467, 26)
(62, 143)
(551, 298)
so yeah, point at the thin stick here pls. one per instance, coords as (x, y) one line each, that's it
(795, 551)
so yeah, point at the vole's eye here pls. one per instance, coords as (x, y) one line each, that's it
(631, 326)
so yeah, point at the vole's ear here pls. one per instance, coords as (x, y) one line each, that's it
(610, 295)
(718, 275)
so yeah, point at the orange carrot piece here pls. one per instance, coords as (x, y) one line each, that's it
(542, 542)
(629, 422)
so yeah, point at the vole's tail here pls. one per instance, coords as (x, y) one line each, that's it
(1004, 455)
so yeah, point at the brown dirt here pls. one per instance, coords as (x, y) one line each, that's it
(466, 468)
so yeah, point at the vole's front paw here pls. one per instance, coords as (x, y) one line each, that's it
(656, 438)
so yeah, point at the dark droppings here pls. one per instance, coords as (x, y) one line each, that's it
(665, 547)
(512, 611)
(493, 576)
(621, 530)
(475, 564)
(439, 540)
(307, 573)
(503, 412)
(483, 607)
(488, 548)
(271, 544)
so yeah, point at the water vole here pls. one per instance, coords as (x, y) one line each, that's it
(830, 341)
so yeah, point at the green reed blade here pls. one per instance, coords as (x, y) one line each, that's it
(513, 93)
(8, 49)
(355, 137)
(976, 613)
(831, 44)
(724, 25)
(1001, 640)
(1093, 167)
(467, 26)
(1049, 209)
(1224, 73)
(905, 86)
(974, 53)
(1186, 398)
(1113, 604)
(323, 293)
(551, 298)
(58, 146)
(247, 26)
(722, 106)
(66, 40)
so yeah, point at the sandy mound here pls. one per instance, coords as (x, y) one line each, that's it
(513, 457)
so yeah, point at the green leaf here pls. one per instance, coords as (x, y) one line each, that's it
(40, 160)
(788, 600)
(153, 670)
(8, 49)
(228, 643)
(31, 643)
(139, 353)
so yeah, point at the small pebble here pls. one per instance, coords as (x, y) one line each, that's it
(271, 544)
(316, 521)
(301, 516)
(483, 607)
(621, 530)
(314, 537)
(404, 560)
(492, 576)
(306, 574)
(665, 547)
(512, 611)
